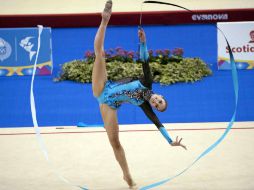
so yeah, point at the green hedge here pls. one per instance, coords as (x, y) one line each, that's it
(175, 70)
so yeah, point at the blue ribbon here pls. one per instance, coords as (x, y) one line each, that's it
(209, 149)
(81, 124)
(222, 137)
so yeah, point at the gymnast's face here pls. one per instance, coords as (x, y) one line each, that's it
(158, 102)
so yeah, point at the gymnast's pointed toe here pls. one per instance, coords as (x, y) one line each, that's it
(108, 6)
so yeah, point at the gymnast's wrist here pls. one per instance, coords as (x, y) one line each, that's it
(165, 134)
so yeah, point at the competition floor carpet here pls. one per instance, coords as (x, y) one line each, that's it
(84, 157)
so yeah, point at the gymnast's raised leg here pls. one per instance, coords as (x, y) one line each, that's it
(99, 74)
(109, 115)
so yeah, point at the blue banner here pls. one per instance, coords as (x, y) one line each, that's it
(18, 48)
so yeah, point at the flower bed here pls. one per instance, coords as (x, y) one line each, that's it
(167, 67)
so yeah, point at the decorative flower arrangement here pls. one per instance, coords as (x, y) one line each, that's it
(167, 67)
(119, 54)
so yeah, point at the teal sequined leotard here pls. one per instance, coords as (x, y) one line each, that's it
(114, 94)
(136, 92)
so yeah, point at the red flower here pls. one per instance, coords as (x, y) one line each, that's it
(178, 52)
(88, 54)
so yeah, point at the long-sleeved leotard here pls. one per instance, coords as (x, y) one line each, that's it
(147, 81)
(137, 92)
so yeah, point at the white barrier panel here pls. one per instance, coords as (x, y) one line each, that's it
(241, 38)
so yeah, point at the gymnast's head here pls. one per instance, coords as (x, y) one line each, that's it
(158, 102)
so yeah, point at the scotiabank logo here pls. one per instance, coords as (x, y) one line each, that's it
(243, 49)
(249, 48)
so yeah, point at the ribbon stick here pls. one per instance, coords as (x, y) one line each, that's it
(222, 137)
(34, 116)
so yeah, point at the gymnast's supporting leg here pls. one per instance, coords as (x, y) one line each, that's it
(111, 125)
(99, 74)
(109, 116)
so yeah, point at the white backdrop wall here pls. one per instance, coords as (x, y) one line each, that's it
(16, 7)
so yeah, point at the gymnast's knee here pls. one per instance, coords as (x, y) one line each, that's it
(115, 143)
(99, 53)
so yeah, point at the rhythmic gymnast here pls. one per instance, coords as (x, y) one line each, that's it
(112, 94)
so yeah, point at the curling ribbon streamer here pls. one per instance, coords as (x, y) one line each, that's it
(236, 88)
(34, 117)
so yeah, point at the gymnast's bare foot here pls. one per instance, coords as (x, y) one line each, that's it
(131, 183)
(107, 12)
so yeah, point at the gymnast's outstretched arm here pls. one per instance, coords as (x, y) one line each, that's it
(147, 81)
(146, 107)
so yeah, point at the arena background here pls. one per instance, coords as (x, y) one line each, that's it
(74, 24)
(17, 7)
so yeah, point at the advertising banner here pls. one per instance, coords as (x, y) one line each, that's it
(18, 49)
(240, 36)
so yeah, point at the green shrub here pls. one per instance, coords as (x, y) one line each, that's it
(174, 69)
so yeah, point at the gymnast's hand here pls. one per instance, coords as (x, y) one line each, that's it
(141, 35)
(178, 143)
